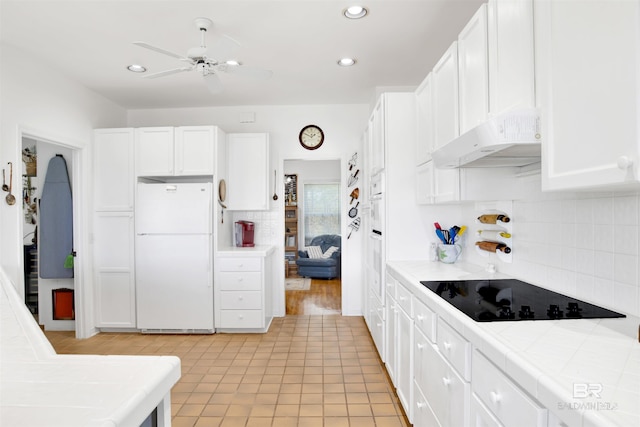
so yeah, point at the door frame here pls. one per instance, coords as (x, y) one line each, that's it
(84, 328)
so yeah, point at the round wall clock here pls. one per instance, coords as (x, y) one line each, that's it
(311, 137)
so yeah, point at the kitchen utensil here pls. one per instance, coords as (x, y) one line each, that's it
(493, 218)
(493, 247)
(353, 179)
(275, 178)
(354, 225)
(354, 194)
(352, 162)
(5, 187)
(11, 199)
(354, 211)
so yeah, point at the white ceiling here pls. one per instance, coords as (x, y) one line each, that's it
(299, 40)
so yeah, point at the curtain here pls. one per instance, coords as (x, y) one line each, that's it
(321, 210)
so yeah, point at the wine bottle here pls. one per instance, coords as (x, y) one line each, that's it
(493, 247)
(493, 218)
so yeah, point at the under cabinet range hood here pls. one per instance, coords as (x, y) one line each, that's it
(509, 139)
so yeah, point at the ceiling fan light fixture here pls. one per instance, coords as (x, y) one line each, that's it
(136, 68)
(346, 62)
(355, 12)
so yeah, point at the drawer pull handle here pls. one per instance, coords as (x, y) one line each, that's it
(420, 317)
(420, 405)
(240, 279)
(240, 298)
(402, 298)
(240, 316)
(446, 345)
(420, 346)
(379, 325)
(495, 397)
(446, 381)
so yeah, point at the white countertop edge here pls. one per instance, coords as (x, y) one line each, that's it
(538, 383)
(258, 250)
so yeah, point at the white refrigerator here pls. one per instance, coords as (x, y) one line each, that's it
(173, 257)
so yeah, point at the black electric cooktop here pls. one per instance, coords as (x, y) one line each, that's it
(512, 299)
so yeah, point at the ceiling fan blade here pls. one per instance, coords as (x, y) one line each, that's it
(223, 49)
(167, 73)
(213, 83)
(160, 50)
(247, 71)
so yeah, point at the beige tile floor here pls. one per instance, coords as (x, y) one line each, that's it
(306, 371)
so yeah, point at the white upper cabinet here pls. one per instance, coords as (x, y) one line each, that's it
(113, 170)
(424, 120)
(194, 150)
(473, 71)
(511, 55)
(445, 97)
(248, 166)
(587, 56)
(154, 151)
(181, 151)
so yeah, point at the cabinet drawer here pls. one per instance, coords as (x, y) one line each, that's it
(480, 415)
(241, 319)
(239, 264)
(422, 413)
(240, 281)
(403, 298)
(454, 348)
(377, 333)
(425, 319)
(445, 391)
(376, 306)
(242, 300)
(505, 400)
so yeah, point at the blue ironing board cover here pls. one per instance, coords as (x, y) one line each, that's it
(56, 221)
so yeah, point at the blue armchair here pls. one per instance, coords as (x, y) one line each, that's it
(325, 268)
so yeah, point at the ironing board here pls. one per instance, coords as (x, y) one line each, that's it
(56, 221)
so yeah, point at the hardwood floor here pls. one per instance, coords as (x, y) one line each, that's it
(324, 297)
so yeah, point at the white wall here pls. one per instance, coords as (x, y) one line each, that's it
(342, 125)
(585, 245)
(39, 102)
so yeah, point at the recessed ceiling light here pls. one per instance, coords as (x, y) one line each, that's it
(136, 68)
(355, 12)
(232, 62)
(346, 62)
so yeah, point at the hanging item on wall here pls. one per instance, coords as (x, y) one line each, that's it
(10, 199)
(56, 222)
(354, 226)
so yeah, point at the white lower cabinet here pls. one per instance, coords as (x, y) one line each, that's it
(508, 402)
(480, 415)
(445, 390)
(377, 325)
(243, 295)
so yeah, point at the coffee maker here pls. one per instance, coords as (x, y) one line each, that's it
(244, 234)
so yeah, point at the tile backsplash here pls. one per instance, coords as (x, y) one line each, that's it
(581, 244)
(267, 225)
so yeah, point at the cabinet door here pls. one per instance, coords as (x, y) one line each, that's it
(114, 271)
(248, 155)
(113, 170)
(445, 97)
(404, 369)
(424, 120)
(446, 185)
(424, 183)
(511, 54)
(194, 150)
(587, 83)
(473, 71)
(154, 151)
(390, 338)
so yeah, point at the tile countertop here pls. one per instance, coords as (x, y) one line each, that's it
(41, 388)
(547, 357)
(257, 250)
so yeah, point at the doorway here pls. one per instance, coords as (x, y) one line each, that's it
(319, 214)
(50, 297)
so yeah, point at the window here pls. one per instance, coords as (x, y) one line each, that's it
(321, 210)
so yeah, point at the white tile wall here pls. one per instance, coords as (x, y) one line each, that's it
(267, 227)
(583, 245)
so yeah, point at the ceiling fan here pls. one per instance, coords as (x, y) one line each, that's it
(208, 62)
